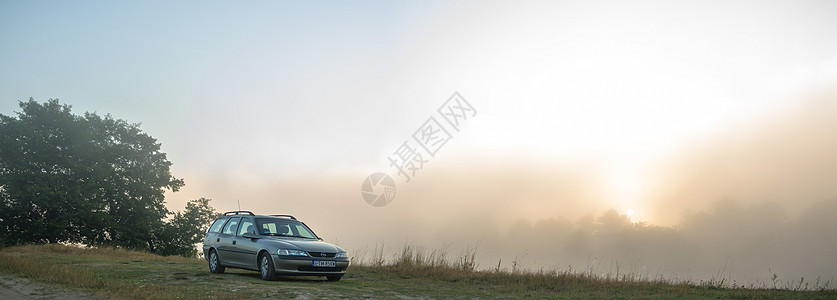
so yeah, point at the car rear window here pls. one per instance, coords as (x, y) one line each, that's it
(216, 227)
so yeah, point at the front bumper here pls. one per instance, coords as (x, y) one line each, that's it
(304, 266)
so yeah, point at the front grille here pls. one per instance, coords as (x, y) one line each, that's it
(321, 254)
(319, 269)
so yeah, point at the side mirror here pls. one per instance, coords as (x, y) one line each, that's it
(250, 236)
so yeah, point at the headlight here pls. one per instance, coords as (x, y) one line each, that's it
(341, 255)
(291, 252)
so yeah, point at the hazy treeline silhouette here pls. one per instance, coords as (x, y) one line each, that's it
(733, 241)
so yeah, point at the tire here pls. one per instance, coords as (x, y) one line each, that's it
(266, 268)
(215, 265)
(334, 278)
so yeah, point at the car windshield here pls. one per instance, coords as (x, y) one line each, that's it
(279, 227)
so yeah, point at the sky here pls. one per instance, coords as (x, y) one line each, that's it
(664, 109)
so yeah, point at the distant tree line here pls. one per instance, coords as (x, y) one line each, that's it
(90, 179)
(754, 242)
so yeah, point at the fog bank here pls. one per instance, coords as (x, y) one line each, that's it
(744, 204)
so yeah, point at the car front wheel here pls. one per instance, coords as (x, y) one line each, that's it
(266, 266)
(215, 263)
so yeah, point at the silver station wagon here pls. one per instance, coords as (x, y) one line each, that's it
(273, 245)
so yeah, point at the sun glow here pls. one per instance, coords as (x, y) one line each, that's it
(626, 186)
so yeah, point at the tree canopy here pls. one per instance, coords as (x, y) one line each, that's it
(86, 179)
(186, 229)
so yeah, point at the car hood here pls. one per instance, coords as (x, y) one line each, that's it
(307, 245)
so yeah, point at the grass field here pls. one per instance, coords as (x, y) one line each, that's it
(116, 273)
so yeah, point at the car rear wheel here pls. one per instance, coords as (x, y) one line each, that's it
(266, 266)
(215, 263)
(334, 278)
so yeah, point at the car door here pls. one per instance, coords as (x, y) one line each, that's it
(224, 242)
(246, 247)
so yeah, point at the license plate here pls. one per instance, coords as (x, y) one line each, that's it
(324, 263)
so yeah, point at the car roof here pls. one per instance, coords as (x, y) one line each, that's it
(249, 213)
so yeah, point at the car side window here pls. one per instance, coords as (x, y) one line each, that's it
(216, 226)
(246, 227)
(231, 226)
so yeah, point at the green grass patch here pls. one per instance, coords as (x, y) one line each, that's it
(122, 274)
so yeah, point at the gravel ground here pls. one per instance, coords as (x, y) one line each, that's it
(19, 288)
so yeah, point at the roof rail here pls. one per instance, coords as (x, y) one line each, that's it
(287, 216)
(239, 212)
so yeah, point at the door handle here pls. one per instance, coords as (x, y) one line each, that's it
(233, 242)
(217, 240)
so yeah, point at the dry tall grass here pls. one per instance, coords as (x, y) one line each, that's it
(416, 261)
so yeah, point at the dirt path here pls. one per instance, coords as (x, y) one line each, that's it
(19, 288)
